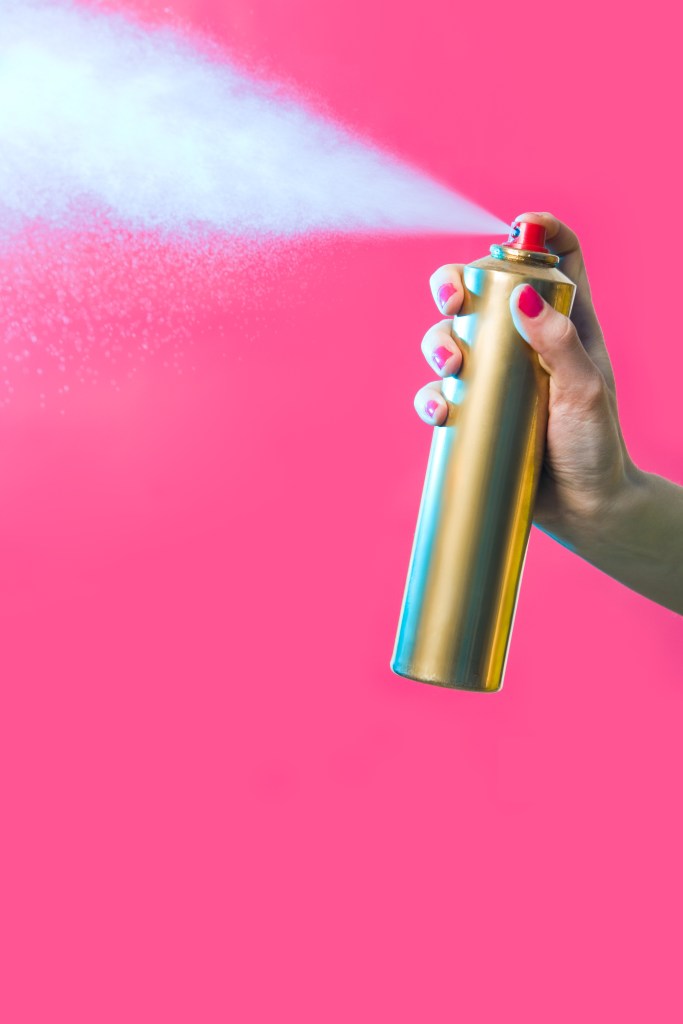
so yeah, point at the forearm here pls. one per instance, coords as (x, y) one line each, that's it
(640, 541)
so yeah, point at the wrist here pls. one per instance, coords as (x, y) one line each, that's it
(618, 518)
(611, 525)
(638, 537)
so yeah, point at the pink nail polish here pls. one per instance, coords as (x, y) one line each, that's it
(441, 355)
(444, 293)
(430, 408)
(529, 301)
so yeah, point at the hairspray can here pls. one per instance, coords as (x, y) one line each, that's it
(484, 465)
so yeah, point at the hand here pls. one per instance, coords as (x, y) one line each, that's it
(586, 466)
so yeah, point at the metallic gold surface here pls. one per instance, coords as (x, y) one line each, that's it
(476, 510)
(520, 256)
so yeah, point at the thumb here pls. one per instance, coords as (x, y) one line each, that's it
(553, 336)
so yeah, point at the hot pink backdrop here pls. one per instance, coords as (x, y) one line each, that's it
(218, 803)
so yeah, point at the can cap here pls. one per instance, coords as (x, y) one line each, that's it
(527, 236)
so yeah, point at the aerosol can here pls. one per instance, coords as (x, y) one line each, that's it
(484, 465)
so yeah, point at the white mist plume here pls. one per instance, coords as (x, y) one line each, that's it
(96, 112)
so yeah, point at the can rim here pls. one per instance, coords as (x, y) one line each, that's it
(505, 252)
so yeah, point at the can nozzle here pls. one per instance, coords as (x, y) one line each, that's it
(527, 236)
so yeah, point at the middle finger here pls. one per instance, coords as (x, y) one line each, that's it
(441, 350)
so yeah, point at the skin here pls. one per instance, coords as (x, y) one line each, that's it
(591, 495)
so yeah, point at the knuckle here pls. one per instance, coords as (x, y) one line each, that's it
(427, 343)
(431, 390)
(420, 398)
(566, 336)
(441, 272)
(560, 336)
(589, 393)
(437, 332)
(445, 273)
(593, 390)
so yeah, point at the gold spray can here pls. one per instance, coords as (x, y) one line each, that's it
(484, 465)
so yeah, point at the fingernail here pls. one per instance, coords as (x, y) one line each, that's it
(529, 301)
(430, 408)
(444, 293)
(441, 355)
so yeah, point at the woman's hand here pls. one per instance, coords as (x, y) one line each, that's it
(586, 466)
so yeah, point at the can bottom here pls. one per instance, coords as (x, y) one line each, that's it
(446, 684)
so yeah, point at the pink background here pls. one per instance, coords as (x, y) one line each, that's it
(217, 801)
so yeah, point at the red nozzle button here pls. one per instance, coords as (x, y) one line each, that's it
(527, 236)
